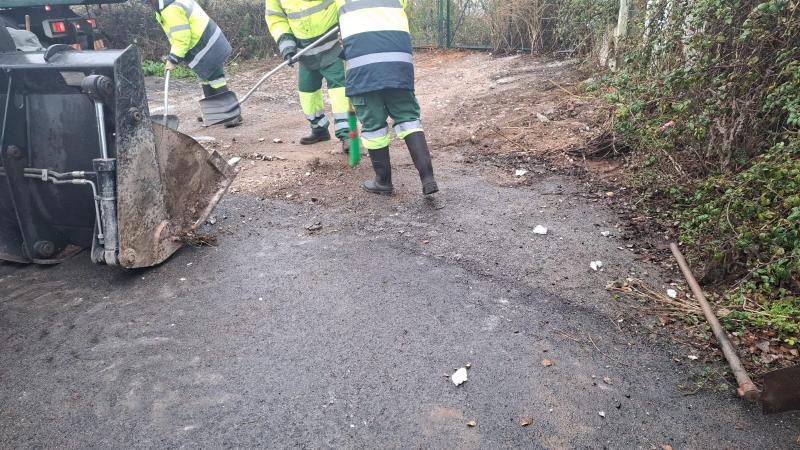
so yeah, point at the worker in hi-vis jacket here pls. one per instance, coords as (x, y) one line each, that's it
(294, 24)
(380, 84)
(197, 41)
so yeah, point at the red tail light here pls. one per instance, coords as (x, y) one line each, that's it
(48, 8)
(92, 23)
(58, 27)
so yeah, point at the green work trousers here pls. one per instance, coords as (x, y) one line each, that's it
(373, 108)
(310, 86)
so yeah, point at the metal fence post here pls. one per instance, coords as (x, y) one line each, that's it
(449, 36)
(440, 41)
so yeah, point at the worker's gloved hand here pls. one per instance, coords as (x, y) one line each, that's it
(169, 65)
(288, 47)
(289, 57)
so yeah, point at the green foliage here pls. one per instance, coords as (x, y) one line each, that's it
(726, 72)
(748, 227)
(709, 97)
(156, 69)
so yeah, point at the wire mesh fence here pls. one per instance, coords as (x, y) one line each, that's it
(451, 23)
(560, 27)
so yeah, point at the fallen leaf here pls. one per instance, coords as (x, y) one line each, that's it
(547, 362)
(666, 447)
(472, 424)
(459, 377)
(763, 346)
(525, 421)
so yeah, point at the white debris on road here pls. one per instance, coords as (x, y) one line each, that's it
(672, 293)
(596, 265)
(605, 233)
(459, 377)
(520, 172)
(540, 229)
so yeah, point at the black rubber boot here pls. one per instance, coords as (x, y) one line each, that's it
(382, 184)
(313, 138)
(418, 147)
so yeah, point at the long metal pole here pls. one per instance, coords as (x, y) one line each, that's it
(330, 33)
(747, 389)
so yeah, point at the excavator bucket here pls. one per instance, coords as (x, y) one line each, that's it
(83, 166)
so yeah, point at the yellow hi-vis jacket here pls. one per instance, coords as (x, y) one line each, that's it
(297, 23)
(194, 38)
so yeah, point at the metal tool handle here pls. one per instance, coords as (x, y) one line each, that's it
(747, 389)
(330, 33)
(166, 95)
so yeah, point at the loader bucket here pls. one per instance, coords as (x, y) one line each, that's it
(82, 165)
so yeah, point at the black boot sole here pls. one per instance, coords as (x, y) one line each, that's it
(323, 138)
(368, 186)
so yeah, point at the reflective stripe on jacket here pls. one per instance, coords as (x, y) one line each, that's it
(194, 38)
(377, 45)
(298, 23)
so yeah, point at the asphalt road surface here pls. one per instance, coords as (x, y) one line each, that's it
(280, 337)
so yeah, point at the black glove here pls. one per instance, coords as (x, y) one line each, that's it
(288, 46)
(289, 57)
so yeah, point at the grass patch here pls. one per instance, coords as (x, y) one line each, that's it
(156, 69)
